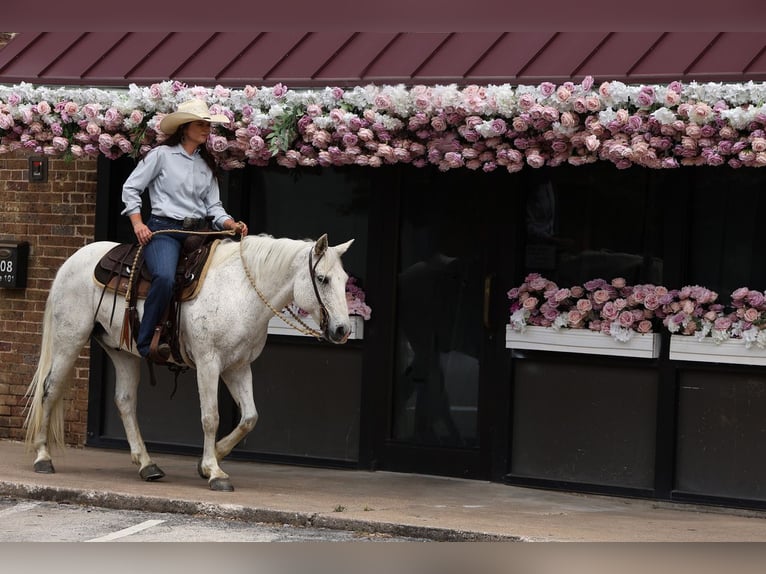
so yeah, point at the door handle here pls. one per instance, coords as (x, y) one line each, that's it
(487, 299)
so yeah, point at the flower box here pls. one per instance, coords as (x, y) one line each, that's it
(733, 351)
(278, 327)
(583, 342)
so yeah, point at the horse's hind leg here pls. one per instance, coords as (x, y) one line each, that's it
(127, 370)
(45, 418)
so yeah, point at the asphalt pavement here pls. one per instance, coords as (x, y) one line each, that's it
(419, 506)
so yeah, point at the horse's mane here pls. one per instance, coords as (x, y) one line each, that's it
(263, 250)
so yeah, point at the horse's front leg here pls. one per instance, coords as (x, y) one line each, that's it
(207, 385)
(239, 381)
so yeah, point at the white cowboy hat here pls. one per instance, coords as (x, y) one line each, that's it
(189, 111)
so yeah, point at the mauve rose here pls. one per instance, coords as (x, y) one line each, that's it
(551, 315)
(278, 91)
(722, 323)
(618, 282)
(219, 143)
(609, 311)
(547, 89)
(561, 294)
(644, 99)
(620, 303)
(626, 319)
(755, 298)
(584, 305)
(257, 143)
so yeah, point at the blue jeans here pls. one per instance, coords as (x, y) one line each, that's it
(161, 256)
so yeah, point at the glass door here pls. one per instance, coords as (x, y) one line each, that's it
(448, 234)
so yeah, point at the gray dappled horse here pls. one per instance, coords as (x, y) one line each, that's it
(222, 330)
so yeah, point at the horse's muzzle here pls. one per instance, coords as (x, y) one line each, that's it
(338, 335)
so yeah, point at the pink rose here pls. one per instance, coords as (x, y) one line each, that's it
(71, 108)
(574, 317)
(584, 305)
(530, 303)
(563, 94)
(438, 123)
(618, 282)
(601, 296)
(644, 327)
(751, 315)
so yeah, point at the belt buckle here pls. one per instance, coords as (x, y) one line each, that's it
(189, 223)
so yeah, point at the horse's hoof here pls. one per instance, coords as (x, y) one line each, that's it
(151, 472)
(44, 467)
(199, 469)
(221, 485)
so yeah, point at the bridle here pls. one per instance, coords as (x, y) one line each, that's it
(302, 326)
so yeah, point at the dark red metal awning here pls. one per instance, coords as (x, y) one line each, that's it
(334, 58)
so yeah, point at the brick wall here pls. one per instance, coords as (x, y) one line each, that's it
(56, 218)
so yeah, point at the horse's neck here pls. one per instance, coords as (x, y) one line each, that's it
(272, 264)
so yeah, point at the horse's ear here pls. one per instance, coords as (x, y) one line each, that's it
(343, 247)
(321, 245)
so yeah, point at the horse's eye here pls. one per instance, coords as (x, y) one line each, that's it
(322, 279)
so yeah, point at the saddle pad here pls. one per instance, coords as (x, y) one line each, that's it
(113, 270)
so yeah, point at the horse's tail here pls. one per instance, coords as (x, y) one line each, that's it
(36, 391)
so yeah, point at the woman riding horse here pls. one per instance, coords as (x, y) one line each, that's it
(183, 190)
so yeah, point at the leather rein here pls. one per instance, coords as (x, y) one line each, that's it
(301, 327)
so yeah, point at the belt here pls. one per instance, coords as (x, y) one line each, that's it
(186, 222)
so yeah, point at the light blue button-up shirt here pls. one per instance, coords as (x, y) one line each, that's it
(180, 185)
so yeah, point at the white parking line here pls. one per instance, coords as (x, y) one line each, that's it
(21, 507)
(127, 531)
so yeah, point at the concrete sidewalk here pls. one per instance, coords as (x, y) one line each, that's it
(436, 508)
